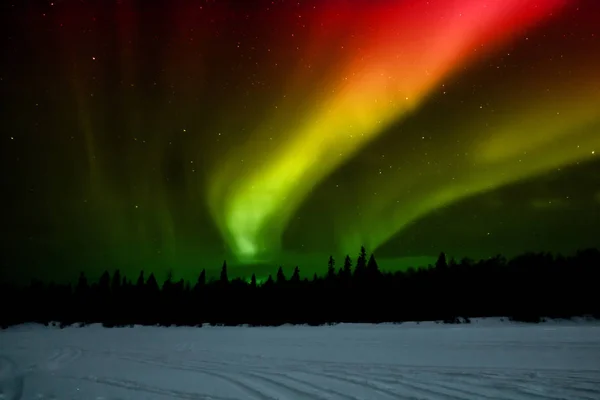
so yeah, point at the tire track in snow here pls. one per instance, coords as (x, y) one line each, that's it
(61, 357)
(500, 383)
(593, 394)
(11, 382)
(484, 390)
(458, 382)
(185, 347)
(541, 392)
(267, 373)
(241, 385)
(496, 383)
(315, 386)
(404, 387)
(362, 384)
(140, 387)
(279, 389)
(427, 386)
(259, 371)
(508, 385)
(285, 390)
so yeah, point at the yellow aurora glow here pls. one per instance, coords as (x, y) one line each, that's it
(395, 72)
(547, 132)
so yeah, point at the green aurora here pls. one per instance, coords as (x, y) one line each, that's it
(173, 137)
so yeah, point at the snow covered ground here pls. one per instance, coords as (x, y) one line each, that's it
(487, 359)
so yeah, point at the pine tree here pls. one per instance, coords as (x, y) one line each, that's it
(152, 284)
(201, 282)
(441, 262)
(280, 276)
(115, 286)
(331, 269)
(452, 263)
(361, 263)
(140, 280)
(253, 281)
(224, 278)
(104, 283)
(168, 283)
(295, 276)
(372, 267)
(82, 284)
(347, 267)
(269, 282)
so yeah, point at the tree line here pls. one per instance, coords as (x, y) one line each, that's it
(526, 288)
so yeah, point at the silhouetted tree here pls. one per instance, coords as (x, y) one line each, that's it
(104, 283)
(280, 276)
(167, 284)
(361, 263)
(152, 284)
(115, 285)
(269, 282)
(140, 281)
(452, 263)
(224, 279)
(331, 269)
(295, 276)
(200, 282)
(441, 262)
(372, 267)
(82, 284)
(523, 288)
(347, 268)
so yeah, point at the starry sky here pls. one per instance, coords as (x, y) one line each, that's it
(171, 135)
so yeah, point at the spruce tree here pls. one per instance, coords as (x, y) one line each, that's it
(441, 261)
(372, 267)
(104, 285)
(140, 281)
(224, 279)
(361, 264)
(295, 276)
(331, 268)
(347, 267)
(152, 284)
(280, 276)
(269, 282)
(82, 284)
(167, 284)
(201, 282)
(115, 286)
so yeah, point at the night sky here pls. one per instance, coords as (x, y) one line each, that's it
(175, 134)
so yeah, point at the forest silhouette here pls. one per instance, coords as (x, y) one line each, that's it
(528, 288)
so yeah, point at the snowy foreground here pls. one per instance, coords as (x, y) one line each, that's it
(487, 359)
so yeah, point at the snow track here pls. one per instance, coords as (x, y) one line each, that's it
(484, 360)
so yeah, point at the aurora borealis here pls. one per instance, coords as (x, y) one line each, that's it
(173, 135)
